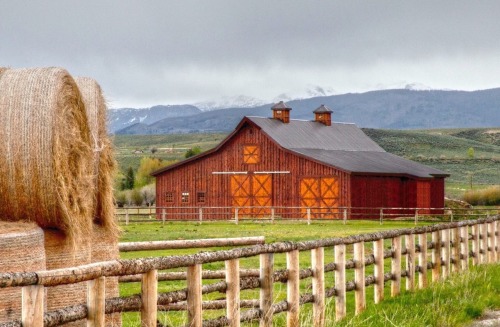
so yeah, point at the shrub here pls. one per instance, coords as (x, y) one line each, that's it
(488, 196)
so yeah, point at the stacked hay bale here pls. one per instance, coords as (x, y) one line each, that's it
(46, 168)
(105, 230)
(22, 249)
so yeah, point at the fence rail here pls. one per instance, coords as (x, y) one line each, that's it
(308, 214)
(449, 245)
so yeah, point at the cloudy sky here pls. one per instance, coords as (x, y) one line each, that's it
(172, 52)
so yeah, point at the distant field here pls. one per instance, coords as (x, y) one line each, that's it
(445, 149)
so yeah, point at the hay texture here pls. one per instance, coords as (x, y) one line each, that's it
(104, 163)
(22, 249)
(46, 161)
(60, 253)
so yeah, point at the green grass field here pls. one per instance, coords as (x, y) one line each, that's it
(485, 282)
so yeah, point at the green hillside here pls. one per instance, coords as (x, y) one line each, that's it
(445, 149)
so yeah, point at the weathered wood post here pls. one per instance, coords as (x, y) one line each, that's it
(378, 253)
(345, 216)
(396, 266)
(456, 249)
(422, 260)
(236, 216)
(498, 240)
(436, 256)
(464, 248)
(266, 289)
(272, 215)
(359, 277)
(233, 292)
(194, 297)
(126, 216)
(446, 253)
(410, 262)
(483, 238)
(149, 295)
(96, 302)
(163, 215)
(491, 242)
(318, 285)
(381, 215)
(416, 216)
(340, 300)
(476, 245)
(308, 211)
(200, 215)
(32, 306)
(293, 289)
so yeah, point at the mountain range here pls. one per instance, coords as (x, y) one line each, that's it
(407, 108)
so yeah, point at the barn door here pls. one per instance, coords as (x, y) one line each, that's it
(252, 192)
(424, 196)
(321, 195)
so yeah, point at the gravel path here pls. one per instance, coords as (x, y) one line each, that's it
(489, 319)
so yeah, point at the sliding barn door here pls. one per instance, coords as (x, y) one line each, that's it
(250, 193)
(321, 196)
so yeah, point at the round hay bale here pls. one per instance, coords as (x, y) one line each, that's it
(60, 253)
(104, 162)
(45, 166)
(22, 248)
(105, 248)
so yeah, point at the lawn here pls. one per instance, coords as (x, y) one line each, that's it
(480, 286)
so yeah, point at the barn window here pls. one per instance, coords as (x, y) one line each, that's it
(251, 154)
(200, 197)
(169, 197)
(185, 197)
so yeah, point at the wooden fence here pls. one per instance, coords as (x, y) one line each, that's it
(307, 214)
(430, 252)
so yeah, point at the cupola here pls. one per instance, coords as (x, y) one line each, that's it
(323, 115)
(281, 112)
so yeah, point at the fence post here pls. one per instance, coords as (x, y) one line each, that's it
(436, 256)
(32, 306)
(200, 214)
(422, 260)
(498, 240)
(491, 242)
(378, 254)
(464, 234)
(308, 210)
(236, 216)
(149, 295)
(266, 289)
(416, 216)
(96, 300)
(381, 215)
(451, 215)
(484, 243)
(410, 262)
(345, 216)
(359, 277)
(340, 301)
(457, 249)
(272, 215)
(318, 285)
(126, 216)
(396, 266)
(233, 292)
(194, 299)
(476, 246)
(446, 253)
(163, 215)
(293, 288)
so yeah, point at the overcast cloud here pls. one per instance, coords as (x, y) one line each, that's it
(171, 52)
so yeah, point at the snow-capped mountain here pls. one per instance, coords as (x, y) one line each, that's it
(240, 101)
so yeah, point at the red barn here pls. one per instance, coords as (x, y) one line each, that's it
(281, 163)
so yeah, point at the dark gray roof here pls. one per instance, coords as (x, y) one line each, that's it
(322, 109)
(280, 106)
(301, 134)
(341, 145)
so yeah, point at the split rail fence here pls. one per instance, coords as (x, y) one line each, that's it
(308, 214)
(431, 253)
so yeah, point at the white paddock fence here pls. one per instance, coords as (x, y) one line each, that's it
(430, 252)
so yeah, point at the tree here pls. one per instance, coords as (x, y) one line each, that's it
(148, 193)
(153, 150)
(128, 182)
(192, 152)
(146, 167)
(470, 153)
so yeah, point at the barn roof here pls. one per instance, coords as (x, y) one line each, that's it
(341, 145)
